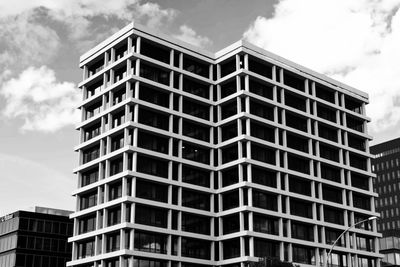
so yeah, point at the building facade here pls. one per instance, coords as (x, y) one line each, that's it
(190, 158)
(386, 165)
(35, 239)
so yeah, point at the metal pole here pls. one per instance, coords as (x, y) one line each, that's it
(345, 231)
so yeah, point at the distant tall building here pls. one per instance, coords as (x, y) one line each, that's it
(35, 239)
(190, 158)
(386, 165)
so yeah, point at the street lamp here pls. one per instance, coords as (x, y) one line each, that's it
(345, 231)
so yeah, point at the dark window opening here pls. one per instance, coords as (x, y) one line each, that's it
(90, 177)
(333, 215)
(231, 248)
(195, 248)
(92, 131)
(153, 73)
(196, 88)
(196, 131)
(195, 224)
(354, 123)
(231, 223)
(299, 185)
(228, 88)
(330, 173)
(91, 154)
(325, 93)
(303, 255)
(360, 181)
(196, 109)
(153, 119)
(152, 166)
(150, 242)
(260, 67)
(297, 142)
(228, 66)
(154, 51)
(96, 66)
(327, 132)
(353, 105)
(302, 231)
(266, 248)
(120, 73)
(230, 200)
(361, 201)
(228, 109)
(195, 153)
(265, 200)
(152, 142)
(261, 89)
(263, 132)
(263, 154)
(298, 164)
(152, 191)
(115, 191)
(300, 208)
(195, 176)
(230, 176)
(294, 101)
(263, 176)
(151, 216)
(332, 194)
(262, 110)
(116, 166)
(117, 142)
(358, 162)
(154, 96)
(326, 113)
(294, 81)
(229, 131)
(196, 67)
(229, 153)
(328, 152)
(296, 122)
(196, 200)
(265, 224)
(356, 142)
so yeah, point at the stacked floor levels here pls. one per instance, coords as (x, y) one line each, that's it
(190, 158)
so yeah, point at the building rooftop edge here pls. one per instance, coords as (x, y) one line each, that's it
(241, 43)
(41, 210)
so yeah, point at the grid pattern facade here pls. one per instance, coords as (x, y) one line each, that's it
(32, 239)
(189, 158)
(386, 165)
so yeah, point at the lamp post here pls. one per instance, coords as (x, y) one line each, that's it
(345, 231)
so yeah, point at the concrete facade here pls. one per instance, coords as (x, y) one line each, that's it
(189, 158)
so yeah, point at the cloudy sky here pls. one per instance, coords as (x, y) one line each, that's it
(354, 41)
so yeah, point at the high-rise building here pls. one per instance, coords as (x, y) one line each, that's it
(190, 158)
(37, 238)
(386, 165)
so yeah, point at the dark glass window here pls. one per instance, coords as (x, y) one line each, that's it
(195, 176)
(230, 200)
(297, 142)
(91, 154)
(358, 162)
(262, 89)
(328, 152)
(229, 131)
(153, 73)
(262, 110)
(228, 109)
(265, 200)
(333, 215)
(96, 66)
(228, 88)
(153, 119)
(298, 164)
(294, 101)
(228, 66)
(152, 142)
(151, 216)
(85, 249)
(262, 153)
(155, 51)
(196, 109)
(90, 177)
(330, 173)
(152, 191)
(194, 66)
(88, 200)
(355, 123)
(303, 254)
(118, 118)
(260, 68)
(300, 208)
(195, 224)
(302, 231)
(353, 105)
(229, 153)
(93, 110)
(231, 223)
(195, 130)
(332, 194)
(150, 242)
(359, 181)
(266, 248)
(231, 248)
(153, 95)
(119, 74)
(300, 186)
(296, 122)
(263, 132)
(196, 200)
(87, 224)
(230, 176)
(114, 216)
(364, 243)
(117, 142)
(327, 132)
(331, 235)
(152, 166)
(196, 88)
(195, 153)
(263, 176)
(294, 81)
(324, 93)
(361, 201)
(356, 142)
(265, 224)
(92, 131)
(326, 113)
(115, 191)
(116, 166)
(195, 248)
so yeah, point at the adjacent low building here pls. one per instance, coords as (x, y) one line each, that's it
(189, 158)
(35, 238)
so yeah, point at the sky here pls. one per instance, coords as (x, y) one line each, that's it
(354, 41)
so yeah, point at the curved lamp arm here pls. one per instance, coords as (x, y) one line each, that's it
(345, 231)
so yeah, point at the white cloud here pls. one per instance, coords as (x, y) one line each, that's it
(43, 103)
(355, 41)
(189, 35)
